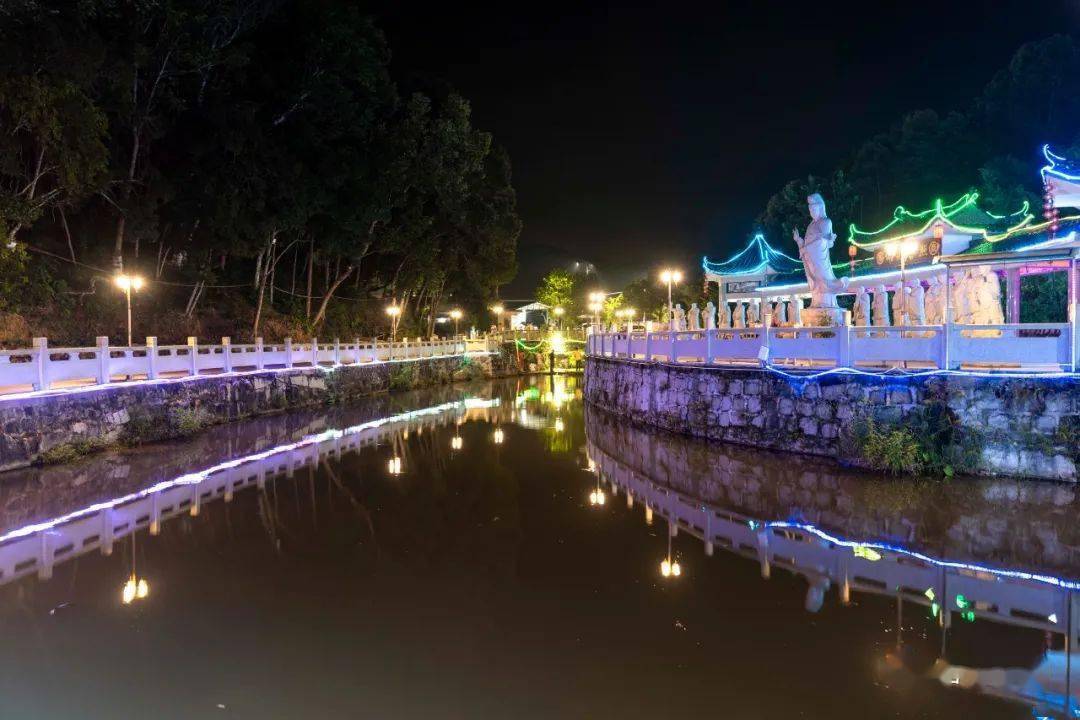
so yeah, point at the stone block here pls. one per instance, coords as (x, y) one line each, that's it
(900, 396)
(824, 411)
(812, 391)
(785, 406)
(752, 387)
(753, 404)
(804, 407)
(808, 426)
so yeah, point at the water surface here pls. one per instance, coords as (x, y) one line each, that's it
(486, 579)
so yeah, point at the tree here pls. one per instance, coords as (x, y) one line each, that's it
(556, 289)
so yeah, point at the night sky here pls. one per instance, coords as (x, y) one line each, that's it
(655, 134)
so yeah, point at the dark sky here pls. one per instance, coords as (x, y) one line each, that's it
(655, 133)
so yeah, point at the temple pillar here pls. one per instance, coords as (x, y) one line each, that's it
(1012, 279)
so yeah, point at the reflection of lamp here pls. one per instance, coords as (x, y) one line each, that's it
(394, 465)
(134, 589)
(597, 497)
(559, 425)
(456, 443)
(669, 567)
(497, 436)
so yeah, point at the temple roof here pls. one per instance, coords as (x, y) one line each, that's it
(757, 258)
(964, 215)
(1060, 167)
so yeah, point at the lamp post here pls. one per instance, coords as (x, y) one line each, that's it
(127, 283)
(394, 311)
(498, 310)
(596, 304)
(670, 277)
(455, 315)
(558, 316)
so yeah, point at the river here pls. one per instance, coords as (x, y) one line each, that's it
(498, 550)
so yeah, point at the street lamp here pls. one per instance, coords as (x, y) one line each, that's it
(394, 311)
(455, 315)
(596, 304)
(670, 277)
(558, 314)
(498, 310)
(127, 283)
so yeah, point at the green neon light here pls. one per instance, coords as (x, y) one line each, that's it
(962, 602)
(938, 212)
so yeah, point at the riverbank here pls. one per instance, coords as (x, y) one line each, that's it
(58, 427)
(971, 424)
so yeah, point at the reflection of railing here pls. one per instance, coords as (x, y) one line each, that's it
(1012, 597)
(38, 547)
(42, 367)
(1053, 346)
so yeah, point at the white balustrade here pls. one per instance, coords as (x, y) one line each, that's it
(41, 367)
(1036, 347)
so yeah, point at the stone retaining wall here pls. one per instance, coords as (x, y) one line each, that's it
(1029, 427)
(57, 426)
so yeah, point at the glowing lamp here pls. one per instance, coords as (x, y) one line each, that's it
(393, 310)
(671, 276)
(558, 311)
(455, 314)
(559, 425)
(393, 466)
(456, 442)
(497, 436)
(909, 248)
(127, 595)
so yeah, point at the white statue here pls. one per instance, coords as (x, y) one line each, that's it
(916, 303)
(694, 317)
(899, 306)
(991, 298)
(728, 317)
(881, 307)
(935, 301)
(738, 319)
(753, 313)
(796, 311)
(680, 318)
(781, 313)
(710, 316)
(963, 301)
(814, 251)
(861, 310)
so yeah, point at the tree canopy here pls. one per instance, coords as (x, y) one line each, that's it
(260, 151)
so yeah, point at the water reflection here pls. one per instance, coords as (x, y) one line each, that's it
(841, 530)
(475, 552)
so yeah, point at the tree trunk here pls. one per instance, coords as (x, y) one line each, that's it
(310, 271)
(321, 315)
(67, 233)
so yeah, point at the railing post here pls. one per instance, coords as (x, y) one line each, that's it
(288, 352)
(103, 359)
(405, 351)
(226, 354)
(314, 352)
(708, 346)
(260, 361)
(41, 363)
(1075, 329)
(671, 350)
(337, 351)
(193, 354)
(648, 346)
(845, 347)
(356, 358)
(151, 358)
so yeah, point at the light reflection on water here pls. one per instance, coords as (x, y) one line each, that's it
(517, 554)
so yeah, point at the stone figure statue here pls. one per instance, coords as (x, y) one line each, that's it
(916, 303)
(680, 318)
(694, 317)
(861, 310)
(814, 251)
(726, 315)
(738, 319)
(899, 306)
(963, 301)
(881, 307)
(935, 301)
(796, 311)
(753, 313)
(990, 298)
(781, 313)
(710, 316)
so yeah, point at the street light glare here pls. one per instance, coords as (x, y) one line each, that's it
(497, 309)
(393, 310)
(671, 276)
(455, 314)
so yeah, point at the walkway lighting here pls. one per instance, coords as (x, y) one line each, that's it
(394, 311)
(127, 283)
(670, 277)
(455, 315)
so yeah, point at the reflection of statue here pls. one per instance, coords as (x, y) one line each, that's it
(710, 315)
(814, 251)
(694, 317)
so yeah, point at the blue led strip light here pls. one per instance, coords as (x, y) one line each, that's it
(1058, 166)
(197, 477)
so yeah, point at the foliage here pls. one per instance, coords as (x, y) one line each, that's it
(991, 145)
(930, 440)
(259, 145)
(556, 289)
(1043, 298)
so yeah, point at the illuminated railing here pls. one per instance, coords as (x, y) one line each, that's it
(1029, 346)
(42, 368)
